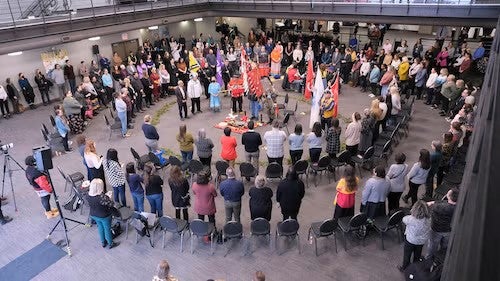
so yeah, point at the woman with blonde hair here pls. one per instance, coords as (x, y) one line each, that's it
(94, 162)
(386, 80)
(163, 272)
(185, 141)
(180, 192)
(346, 194)
(101, 209)
(260, 202)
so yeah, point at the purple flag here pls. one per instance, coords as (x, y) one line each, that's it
(218, 74)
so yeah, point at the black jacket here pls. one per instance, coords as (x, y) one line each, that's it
(251, 140)
(289, 194)
(179, 193)
(260, 198)
(101, 206)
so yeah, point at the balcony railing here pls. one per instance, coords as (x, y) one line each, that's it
(19, 13)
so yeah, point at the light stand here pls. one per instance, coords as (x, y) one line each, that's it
(62, 219)
(7, 169)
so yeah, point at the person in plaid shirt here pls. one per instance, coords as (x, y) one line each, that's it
(274, 140)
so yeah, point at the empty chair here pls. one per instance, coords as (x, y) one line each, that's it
(126, 216)
(114, 127)
(156, 161)
(175, 226)
(353, 224)
(195, 166)
(285, 102)
(145, 224)
(200, 228)
(325, 228)
(288, 228)
(285, 123)
(247, 170)
(383, 153)
(231, 230)
(75, 178)
(52, 135)
(386, 223)
(321, 167)
(174, 161)
(261, 227)
(340, 161)
(221, 167)
(301, 168)
(293, 112)
(359, 161)
(274, 171)
(53, 122)
(116, 118)
(140, 160)
(74, 188)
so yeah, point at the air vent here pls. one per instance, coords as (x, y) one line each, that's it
(65, 38)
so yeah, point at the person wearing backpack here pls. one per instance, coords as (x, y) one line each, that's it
(41, 184)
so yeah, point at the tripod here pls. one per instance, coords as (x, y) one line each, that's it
(7, 168)
(62, 219)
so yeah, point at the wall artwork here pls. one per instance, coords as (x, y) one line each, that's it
(53, 57)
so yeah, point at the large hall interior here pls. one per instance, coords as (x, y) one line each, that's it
(249, 140)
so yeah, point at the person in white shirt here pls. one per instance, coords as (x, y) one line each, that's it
(363, 72)
(194, 91)
(396, 104)
(121, 111)
(430, 85)
(93, 162)
(4, 103)
(58, 76)
(353, 134)
(297, 54)
(396, 62)
(274, 141)
(384, 108)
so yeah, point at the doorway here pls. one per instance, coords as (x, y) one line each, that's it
(125, 47)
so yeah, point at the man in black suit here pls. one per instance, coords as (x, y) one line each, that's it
(181, 94)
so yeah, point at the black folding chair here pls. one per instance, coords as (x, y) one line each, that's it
(231, 230)
(75, 178)
(359, 161)
(353, 224)
(340, 161)
(221, 167)
(383, 224)
(74, 189)
(195, 166)
(285, 123)
(301, 167)
(292, 113)
(261, 227)
(115, 127)
(156, 161)
(200, 228)
(140, 160)
(322, 166)
(174, 226)
(247, 170)
(274, 171)
(326, 229)
(126, 216)
(147, 229)
(288, 228)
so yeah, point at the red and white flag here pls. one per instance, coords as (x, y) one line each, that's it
(244, 69)
(309, 80)
(334, 89)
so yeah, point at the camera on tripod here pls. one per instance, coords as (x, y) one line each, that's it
(5, 147)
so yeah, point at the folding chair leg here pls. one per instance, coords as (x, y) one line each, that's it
(126, 229)
(163, 239)
(298, 242)
(381, 239)
(345, 241)
(316, 246)
(212, 244)
(335, 237)
(182, 239)
(191, 240)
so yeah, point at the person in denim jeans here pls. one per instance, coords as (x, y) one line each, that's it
(116, 177)
(232, 190)
(441, 219)
(135, 183)
(154, 192)
(101, 209)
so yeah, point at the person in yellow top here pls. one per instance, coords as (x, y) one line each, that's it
(403, 73)
(326, 107)
(186, 142)
(346, 194)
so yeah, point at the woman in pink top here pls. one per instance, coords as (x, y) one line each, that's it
(442, 57)
(204, 197)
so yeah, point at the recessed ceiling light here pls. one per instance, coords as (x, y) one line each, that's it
(198, 19)
(15, 54)
(94, 38)
(154, 27)
(31, 17)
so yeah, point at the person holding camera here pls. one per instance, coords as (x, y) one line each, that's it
(41, 184)
(94, 162)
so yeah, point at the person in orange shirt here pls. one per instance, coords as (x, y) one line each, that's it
(237, 90)
(228, 152)
(346, 194)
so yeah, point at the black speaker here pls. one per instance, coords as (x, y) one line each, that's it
(43, 158)
(95, 49)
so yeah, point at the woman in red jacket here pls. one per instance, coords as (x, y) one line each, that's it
(155, 80)
(228, 152)
(346, 194)
(204, 197)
